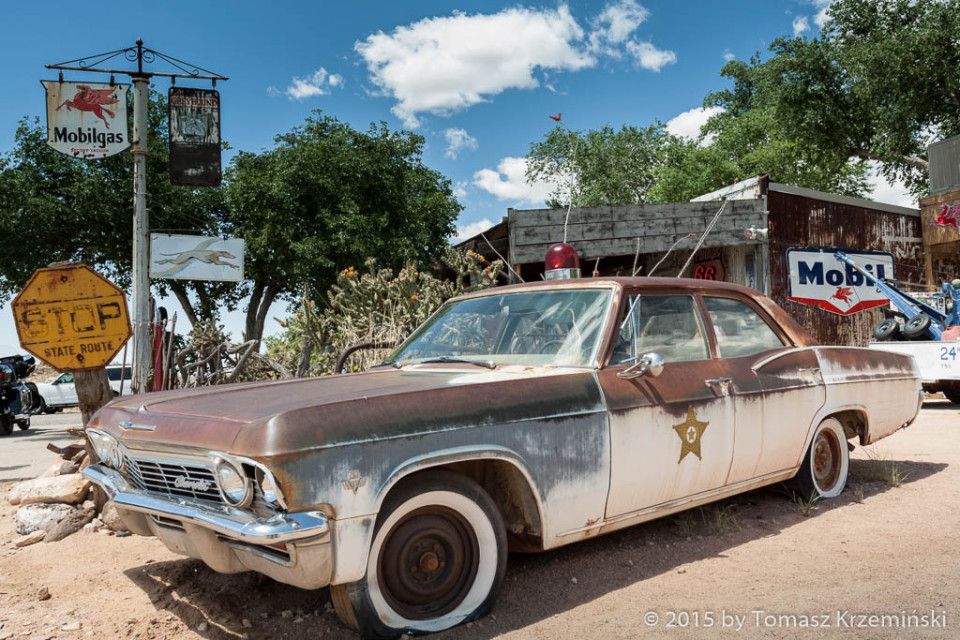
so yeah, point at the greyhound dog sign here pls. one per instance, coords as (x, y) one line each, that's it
(196, 258)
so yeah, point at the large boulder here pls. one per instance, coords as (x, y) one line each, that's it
(40, 517)
(70, 489)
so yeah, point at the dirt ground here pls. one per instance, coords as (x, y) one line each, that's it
(756, 565)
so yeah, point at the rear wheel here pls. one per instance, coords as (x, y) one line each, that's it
(916, 327)
(888, 329)
(823, 473)
(6, 425)
(437, 560)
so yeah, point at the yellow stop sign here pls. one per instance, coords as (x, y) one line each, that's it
(72, 318)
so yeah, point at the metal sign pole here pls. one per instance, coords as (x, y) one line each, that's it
(142, 336)
(141, 238)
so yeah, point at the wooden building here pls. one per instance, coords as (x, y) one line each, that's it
(657, 240)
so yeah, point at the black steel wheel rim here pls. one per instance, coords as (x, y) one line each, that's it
(428, 563)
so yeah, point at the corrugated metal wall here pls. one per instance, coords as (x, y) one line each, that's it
(801, 222)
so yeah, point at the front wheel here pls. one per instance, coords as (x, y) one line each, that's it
(438, 558)
(23, 425)
(823, 473)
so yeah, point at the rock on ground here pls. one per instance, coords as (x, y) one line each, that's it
(111, 519)
(70, 489)
(71, 524)
(40, 517)
(29, 539)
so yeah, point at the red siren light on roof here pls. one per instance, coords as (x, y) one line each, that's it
(562, 262)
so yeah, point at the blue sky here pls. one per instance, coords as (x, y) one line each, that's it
(476, 79)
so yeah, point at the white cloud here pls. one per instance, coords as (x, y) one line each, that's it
(888, 192)
(649, 57)
(468, 231)
(444, 64)
(800, 24)
(728, 55)
(460, 189)
(509, 182)
(688, 124)
(457, 140)
(823, 7)
(615, 24)
(317, 84)
(440, 65)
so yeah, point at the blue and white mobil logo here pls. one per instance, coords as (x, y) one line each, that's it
(818, 278)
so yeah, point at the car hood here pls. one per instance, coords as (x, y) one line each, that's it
(271, 418)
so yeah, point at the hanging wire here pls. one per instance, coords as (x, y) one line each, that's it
(505, 261)
(706, 232)
(669, 251)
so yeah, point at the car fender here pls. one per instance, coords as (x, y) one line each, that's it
(825, 412)
(354, 536)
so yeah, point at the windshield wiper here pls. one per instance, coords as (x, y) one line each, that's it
(489, 364)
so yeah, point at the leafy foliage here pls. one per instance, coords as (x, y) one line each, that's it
(376, 306)
(328, 196)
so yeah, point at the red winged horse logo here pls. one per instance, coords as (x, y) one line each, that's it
(95, 101)
(949, 217)
(843, 294)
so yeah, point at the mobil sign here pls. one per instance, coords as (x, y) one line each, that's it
(818, 278)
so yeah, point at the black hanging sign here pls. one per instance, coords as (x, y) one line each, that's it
(194, 136)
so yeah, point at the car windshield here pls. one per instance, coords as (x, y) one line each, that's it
(556, 328)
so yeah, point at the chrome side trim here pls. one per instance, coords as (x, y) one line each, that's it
(138, 427)
(231, 523)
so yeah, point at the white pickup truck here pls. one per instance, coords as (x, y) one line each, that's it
(939, 363)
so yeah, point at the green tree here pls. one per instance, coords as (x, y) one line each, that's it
(55, 208)
(602, 166)
(880, 83)
(327, 197)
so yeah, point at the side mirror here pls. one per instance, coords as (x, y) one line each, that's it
(649, 364)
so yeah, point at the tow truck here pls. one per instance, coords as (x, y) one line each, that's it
(917, 328)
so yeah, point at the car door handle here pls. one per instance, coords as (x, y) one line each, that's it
(814, 371)
(723, 383)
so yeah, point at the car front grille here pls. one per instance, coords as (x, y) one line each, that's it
(174, 479)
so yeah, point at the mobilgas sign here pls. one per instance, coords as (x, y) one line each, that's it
(87, 120)
(818, 278)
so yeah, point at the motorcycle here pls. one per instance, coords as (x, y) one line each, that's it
(18, 399)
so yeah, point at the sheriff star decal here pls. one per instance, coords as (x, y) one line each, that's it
(690, 432)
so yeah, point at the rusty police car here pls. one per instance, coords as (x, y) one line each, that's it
(521, 418)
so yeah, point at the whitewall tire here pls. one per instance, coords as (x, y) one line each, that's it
(437, 560)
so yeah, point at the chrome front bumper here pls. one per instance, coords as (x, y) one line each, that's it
(294, 548)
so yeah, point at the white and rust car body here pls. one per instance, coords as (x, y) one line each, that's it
(566, 452)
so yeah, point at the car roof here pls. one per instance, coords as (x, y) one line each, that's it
(623, 282)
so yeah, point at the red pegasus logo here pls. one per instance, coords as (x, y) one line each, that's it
(94, 101)
(949, 217)
(844, 294)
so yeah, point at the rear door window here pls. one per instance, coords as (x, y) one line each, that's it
(740, 330)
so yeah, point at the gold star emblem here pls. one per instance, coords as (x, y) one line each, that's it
(690, 431)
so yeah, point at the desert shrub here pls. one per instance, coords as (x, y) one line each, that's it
(373, 305)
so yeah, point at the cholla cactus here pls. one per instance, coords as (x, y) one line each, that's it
(376, 306)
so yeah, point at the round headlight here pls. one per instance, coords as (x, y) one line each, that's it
(106, 448)
(233, 486)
